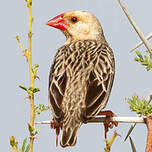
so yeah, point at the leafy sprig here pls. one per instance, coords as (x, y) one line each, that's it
(144, 60)
(140, 106)
(33, 131)
(40, 108)
(14, 144)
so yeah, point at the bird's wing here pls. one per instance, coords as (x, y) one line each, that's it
(57, 83)
(100, 81)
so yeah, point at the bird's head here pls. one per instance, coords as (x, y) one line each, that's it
(78, 25)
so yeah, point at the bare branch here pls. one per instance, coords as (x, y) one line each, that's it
(25, 53)
(137, 29)
(140, 43)
(103, 119)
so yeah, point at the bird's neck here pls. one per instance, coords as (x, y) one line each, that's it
(99, 37)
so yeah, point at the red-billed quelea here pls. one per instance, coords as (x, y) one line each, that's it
(82, 73)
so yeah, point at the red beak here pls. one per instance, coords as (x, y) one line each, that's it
(57, 22)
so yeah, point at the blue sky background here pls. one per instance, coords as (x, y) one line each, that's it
(130, 77)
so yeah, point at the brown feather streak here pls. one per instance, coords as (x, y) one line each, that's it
(93, 92)
(93, 109)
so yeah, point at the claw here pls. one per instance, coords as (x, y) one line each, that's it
(55, 125)
(57, 135)
(107, 123)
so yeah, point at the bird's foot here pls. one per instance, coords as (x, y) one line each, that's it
(108, 124)
(55, 125)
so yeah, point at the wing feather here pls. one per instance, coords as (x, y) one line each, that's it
(100, 82)
(57, 85)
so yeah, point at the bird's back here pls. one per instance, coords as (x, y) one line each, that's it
(80, 83)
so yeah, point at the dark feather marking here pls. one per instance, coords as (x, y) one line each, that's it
(93, 93)
(100, 66)
(91, 77)
(58, 97)
(56, 109)
(69, 137)
(62, 83)
(96, 105)
(65, 137)
(104, 75)
(106, 82)
(77, 68)
(77, 64)
(73, 139)
(102, 58)
(69, 60)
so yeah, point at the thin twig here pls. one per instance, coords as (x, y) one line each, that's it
(140, 43)
(137, 29)
(103, 119)
(109, 143)
(20, 44)
(32, 113)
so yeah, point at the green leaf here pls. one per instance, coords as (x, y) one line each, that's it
(24, 144)
(148, 67)
(31, 129)
(23, 87)
(36, 107)
(40, 108)
(132, 145)
(139, 54)
(36, 90)
(30, 88)
(144, 60)
(144, 63)
(137, 59)
(150, 56)
(36, 131)
(27, 148)
(36, 66)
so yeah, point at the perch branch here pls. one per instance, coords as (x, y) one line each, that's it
(103, 119)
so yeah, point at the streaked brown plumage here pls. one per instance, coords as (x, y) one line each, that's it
(82, 73)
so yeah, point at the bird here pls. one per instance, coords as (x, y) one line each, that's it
(82, 73)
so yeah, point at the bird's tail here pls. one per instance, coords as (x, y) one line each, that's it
(69, 135)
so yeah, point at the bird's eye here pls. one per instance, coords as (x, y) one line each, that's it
(74, 19)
